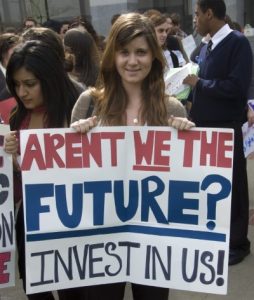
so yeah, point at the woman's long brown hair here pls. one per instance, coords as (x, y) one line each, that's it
(111, 98)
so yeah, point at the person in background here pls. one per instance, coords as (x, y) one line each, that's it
(8, 42)
(83, 24)
(219, 100)
(52, 24)
(29, 22)
(194, 57)
(176, 29)
(64, 28)
(174, 43)
(54, 42)
(83, 59)
(131, 92)
(161, 27)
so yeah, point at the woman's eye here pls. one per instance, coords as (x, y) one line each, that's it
(30, 84)
(124, 52)
(141, 52)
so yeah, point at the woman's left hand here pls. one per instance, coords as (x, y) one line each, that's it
(84, 125)
(180, 123)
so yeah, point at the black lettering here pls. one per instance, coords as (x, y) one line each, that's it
(194, 264)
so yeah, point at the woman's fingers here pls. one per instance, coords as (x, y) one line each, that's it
(84, 125)
(11, 142)
(180, 123)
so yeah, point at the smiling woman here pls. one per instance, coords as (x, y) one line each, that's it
(134, 61)
(131, 92)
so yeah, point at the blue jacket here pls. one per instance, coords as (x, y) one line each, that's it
(225, 75)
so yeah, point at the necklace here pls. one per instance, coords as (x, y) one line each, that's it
(135, 121)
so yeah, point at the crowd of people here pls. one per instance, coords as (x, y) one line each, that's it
(59, 75)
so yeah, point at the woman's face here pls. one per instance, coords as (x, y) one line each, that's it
(162, 33)
(28, 88)
(134, 61)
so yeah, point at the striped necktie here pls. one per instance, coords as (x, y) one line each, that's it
(209, 47)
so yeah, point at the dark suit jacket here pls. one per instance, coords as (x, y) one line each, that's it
(4, 93)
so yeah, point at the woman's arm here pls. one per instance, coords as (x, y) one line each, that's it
(81, 107)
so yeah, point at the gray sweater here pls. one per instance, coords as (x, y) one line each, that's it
(80, 109)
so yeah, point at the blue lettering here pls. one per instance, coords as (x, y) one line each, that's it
(177, 202)
(98, 189)
(125, 213)
(149, 199)
(34, 193)
(69, 220)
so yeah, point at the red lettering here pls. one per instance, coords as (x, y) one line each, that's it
(72, 159)
(93, 148)
(52, 144)
(159, 146)
(144, 150)
(113, 137)
(148, 153)
(208, 149)
(4, 258)
(224, 161)
(188, 137)
(33, 153)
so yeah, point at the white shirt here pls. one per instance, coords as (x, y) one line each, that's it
(3, 69)
(220, 35)
(168, 59)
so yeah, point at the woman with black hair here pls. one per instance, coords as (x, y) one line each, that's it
(44, 94)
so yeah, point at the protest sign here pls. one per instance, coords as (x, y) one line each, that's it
(7, 234)
(149, 205)
(189, 45)
(174, 80)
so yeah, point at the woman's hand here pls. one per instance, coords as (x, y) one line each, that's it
(11, 143)
(84, 125)
(11, 146)
(180, 123)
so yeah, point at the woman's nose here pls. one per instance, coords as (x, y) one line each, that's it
(21, 91)
(132, 59)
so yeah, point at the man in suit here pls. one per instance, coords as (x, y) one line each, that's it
(219, 98)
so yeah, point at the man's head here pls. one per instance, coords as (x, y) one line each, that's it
(209, 16)
(29, 22)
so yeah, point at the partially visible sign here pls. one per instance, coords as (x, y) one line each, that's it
(7, 228)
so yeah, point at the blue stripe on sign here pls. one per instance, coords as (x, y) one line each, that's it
(191, 234)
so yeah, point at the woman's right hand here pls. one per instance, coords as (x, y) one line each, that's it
(11, 143)
(84, 125)
(11, 146)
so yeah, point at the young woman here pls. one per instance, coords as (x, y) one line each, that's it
(44, 94)
(83, 57)
(131, 92)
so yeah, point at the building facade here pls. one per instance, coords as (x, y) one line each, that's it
(99, 12)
